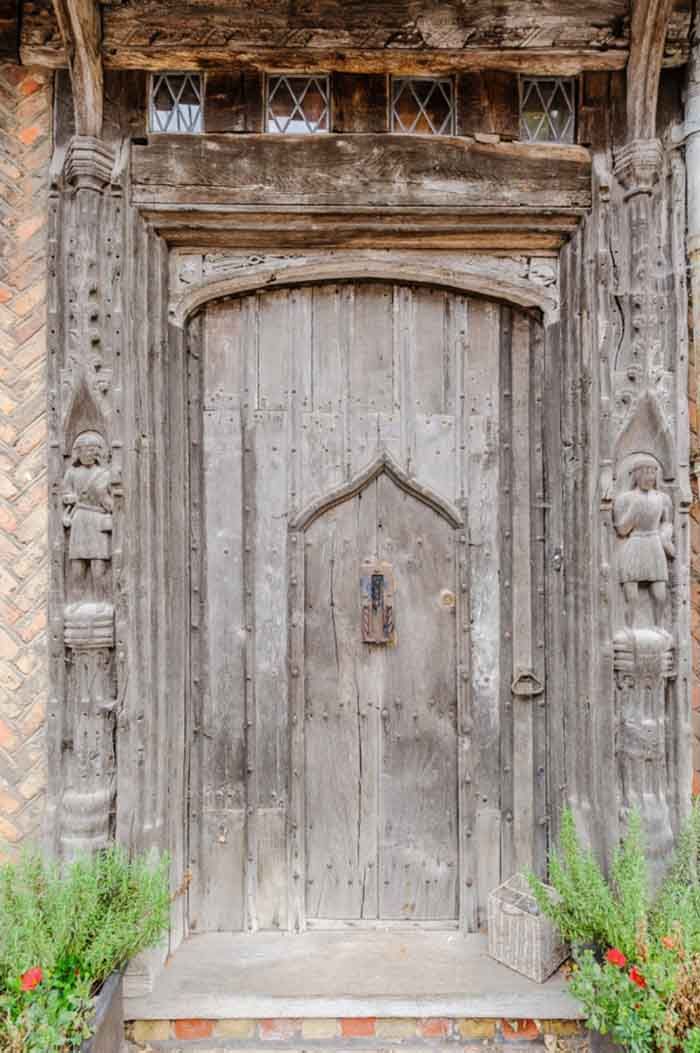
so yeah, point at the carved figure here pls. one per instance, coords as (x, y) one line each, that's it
(87, 514)
(643, 518)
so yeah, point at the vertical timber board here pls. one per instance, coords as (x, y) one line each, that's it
(321, 440)
(296, 840)
(555, 669)
(419, 793)
(341, 736)
(371, 381)
(218, 897)
(433, 351)
(522, 628)
(467, 745)
(539, 510)
(179, 599)
(507, 742)
(484, 508)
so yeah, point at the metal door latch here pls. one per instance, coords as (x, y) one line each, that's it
(377, 599)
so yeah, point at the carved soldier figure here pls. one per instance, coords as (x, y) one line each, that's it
(88, 515)
(644, 520)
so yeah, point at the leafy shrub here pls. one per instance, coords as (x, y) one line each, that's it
(636, 956)
(63, 930)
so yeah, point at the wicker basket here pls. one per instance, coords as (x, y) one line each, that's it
(519, 936)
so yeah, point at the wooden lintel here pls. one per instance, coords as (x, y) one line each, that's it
(80, 23)
(360, 170)
(647, 41)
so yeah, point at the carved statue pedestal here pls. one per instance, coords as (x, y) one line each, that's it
(644, 664)
(87, 802)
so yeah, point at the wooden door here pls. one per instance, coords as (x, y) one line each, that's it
(334, 780)
(380, 719)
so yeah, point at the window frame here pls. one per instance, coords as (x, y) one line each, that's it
(574, 83)
(154, 79)
(449, 79)
(322, 75)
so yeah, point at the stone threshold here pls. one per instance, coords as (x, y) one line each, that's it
(344, 975)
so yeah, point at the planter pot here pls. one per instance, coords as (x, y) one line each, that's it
(108, 1033)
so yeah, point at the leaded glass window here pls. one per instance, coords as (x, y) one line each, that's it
(297, 105)
(547, 109)
(176, 103)
(422, 105)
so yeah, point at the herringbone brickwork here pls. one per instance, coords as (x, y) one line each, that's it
(25, 150)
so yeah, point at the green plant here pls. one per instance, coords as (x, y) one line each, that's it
(636, 956)
(63, 930)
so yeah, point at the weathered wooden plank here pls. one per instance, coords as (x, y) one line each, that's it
(218, 898)
(523, 722)
(563, 40)
(81, 28)
(341, 717)
(419, 855)
(360, 102)
(488, 103)
(233, 102)
(272, 877)
(481, 481)
(365, 170)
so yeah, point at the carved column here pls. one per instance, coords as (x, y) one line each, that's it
(85, 488)
(645, 503)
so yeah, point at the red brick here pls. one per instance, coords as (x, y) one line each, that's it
(280, 1028)
(30, 134)
(696, 784)
(519, 1030)
(358, 1026)
(194, 1028)
(434, 1027)
(30, 85)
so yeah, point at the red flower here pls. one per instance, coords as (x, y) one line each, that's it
(615, 957)
(669, 942)
(30, 979)
(636, 977)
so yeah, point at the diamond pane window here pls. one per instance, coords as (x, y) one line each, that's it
(547, 110)
(297, 105)
(422, 106)
(176, 103)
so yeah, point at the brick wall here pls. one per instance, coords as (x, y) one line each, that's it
(25, 150)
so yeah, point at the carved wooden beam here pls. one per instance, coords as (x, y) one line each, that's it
(559, 38)
(647, 42)
(80, 23)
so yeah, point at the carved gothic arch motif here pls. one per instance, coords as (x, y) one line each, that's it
(384, 464)
(83, 415)
(277, 274)
(646, 431)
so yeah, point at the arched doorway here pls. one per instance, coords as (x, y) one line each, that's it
(363, 455)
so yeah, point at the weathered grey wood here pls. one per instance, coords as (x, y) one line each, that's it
(648, 27)
(360, 169)
(365, 367)
(484, 433)
(522, 497)
(80, 23)
(342, 717)
(419, 850)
